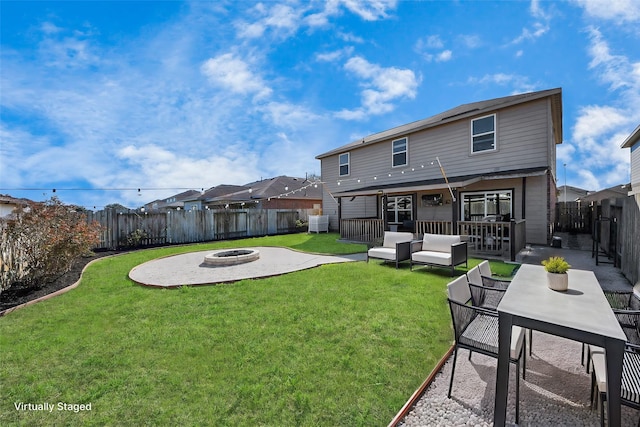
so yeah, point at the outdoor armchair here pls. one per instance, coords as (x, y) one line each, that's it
(396, 247)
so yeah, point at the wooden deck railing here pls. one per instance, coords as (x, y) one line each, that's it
(501, 239)
(433, 227)
(365, 230)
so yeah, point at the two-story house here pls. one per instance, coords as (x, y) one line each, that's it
(485, 170)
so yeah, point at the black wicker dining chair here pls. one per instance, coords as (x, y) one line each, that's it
(476, 329)
(630, 387)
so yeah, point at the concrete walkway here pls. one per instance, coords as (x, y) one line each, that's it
(189, 269)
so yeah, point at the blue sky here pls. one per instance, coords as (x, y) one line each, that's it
(99, 99)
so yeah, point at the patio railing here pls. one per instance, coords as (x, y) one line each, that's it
(496, 239)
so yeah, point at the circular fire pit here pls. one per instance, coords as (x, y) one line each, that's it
(231, 257)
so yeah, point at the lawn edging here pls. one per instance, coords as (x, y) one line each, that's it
(58, 292)
(420, 391)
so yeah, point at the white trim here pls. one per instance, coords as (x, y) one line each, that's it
(406, 151)
(348, 164)
(494, 132)
(396, 210)
(484, 193)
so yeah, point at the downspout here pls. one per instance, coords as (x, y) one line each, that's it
(455, 212)
(339, 215)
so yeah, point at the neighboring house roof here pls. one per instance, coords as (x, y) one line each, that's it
(572, 193)
(632, 139)
(9, 203)
(9, 200)
(607, 193)
(280, 186)
(461, 112)
(175, 201)
(440, 183)
(220, 190)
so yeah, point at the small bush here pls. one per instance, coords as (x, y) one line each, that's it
(40, 242)
(556, 264)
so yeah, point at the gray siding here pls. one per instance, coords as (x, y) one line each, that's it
(635, 167)
(522, 142)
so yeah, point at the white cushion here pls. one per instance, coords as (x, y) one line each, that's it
(384, 253)
(600, 370)
(439, 242)
(393, 237)
(474, 276)
(430, 257)
(485, 269)
(517, 341)
(458, 290)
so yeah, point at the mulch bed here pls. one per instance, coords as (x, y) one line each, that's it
(19, 293)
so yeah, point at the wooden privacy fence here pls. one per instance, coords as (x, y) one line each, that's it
(135, 229)
(574, 217)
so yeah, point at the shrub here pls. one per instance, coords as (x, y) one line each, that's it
(41, 242)
(556, 264)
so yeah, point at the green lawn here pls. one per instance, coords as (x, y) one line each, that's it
(341, 344)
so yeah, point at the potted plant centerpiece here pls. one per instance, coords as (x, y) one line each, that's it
(557, 277)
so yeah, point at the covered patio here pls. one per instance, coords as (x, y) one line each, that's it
(488, 211)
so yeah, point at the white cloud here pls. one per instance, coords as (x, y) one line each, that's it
(335, 55)
(444, 56)
(429, 42)
(599, 130)
(282, 19)
(234, 74)
(520, 84)
(594, 121)
(539, 28)
(615, 70)
(426, 46)
(618, 11)
(370, 10)
(471, 41)
(531, 34)
(158, 167)
(381, 87)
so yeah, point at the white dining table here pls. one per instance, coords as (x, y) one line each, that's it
(581, 313)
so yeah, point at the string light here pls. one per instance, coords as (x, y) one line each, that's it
(139, 191)
(402, 172)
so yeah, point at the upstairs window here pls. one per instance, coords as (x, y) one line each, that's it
(483, 134)
(399, 152)
(344, 164)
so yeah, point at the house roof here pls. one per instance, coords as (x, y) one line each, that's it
(462, 112)
(280, 186)
(440, 183)
(6, 199)
(220, 190)
(607, 193)
(632, 139)
(177, 200)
